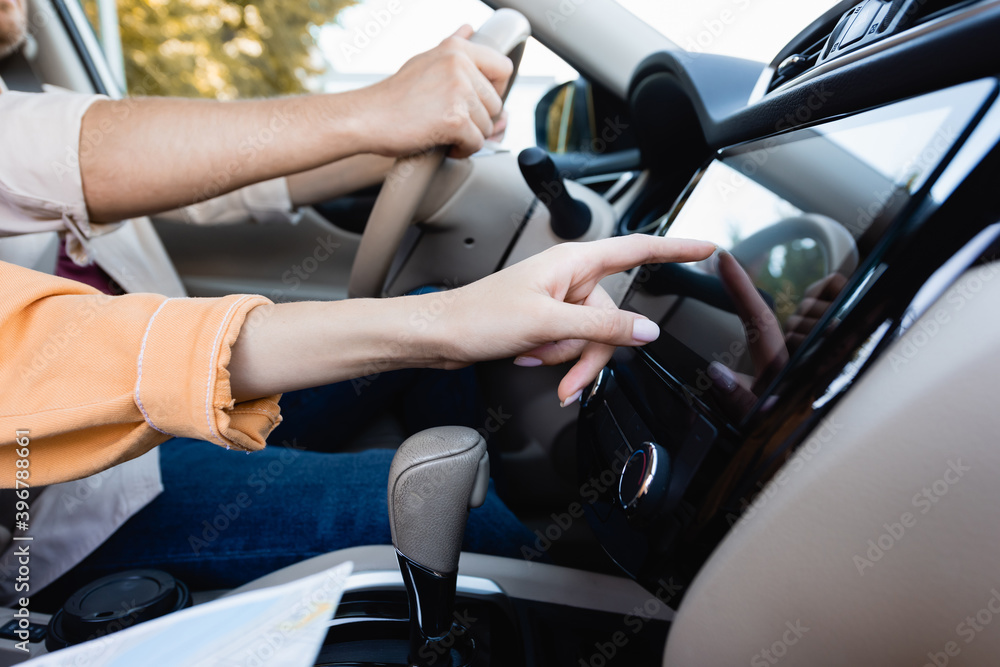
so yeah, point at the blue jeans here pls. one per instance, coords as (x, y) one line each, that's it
(327, 418)
(228, 517)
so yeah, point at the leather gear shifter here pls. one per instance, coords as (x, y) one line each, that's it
(435, 477)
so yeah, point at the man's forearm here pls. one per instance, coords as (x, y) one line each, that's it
(159, 154)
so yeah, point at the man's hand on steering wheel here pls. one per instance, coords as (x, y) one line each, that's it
(448, 96)
(451, 99)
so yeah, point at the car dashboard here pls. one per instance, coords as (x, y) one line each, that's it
(848, 184)
(845, 219)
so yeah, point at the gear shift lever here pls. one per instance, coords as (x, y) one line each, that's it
(435, 477)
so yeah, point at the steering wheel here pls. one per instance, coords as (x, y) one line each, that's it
(406, 183)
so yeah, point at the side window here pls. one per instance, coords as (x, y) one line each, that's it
(230, 49)
(214, 48)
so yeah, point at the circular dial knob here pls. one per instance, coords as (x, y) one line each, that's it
(644, 480)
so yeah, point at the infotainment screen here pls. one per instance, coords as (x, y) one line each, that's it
(796, 214)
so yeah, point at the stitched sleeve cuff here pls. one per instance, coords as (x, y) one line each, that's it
(183, 387)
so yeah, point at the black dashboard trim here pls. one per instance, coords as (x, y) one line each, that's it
(916, 66)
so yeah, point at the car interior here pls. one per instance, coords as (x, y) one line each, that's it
(803, 467)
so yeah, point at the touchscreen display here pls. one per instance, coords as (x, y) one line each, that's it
(797, 215)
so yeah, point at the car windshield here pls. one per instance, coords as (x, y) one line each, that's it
(752, 29)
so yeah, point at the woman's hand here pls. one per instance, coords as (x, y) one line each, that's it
(549, 309)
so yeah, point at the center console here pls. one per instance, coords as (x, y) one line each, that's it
(836, 237)
(515, 612)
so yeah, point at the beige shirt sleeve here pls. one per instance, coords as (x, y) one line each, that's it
(266, 202)
(41, 189)
(98, 380)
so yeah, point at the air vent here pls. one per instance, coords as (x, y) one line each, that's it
(793, 65)
(803, 52)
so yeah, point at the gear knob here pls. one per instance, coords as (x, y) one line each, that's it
(435, 477)
(570, 218)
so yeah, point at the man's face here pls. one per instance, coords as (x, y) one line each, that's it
(13, 25)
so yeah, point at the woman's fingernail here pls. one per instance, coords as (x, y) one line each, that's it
(572, 399)
(644, 331)
(527, 362)
(722, 377)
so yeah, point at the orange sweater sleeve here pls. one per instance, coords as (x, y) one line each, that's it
(98, 380)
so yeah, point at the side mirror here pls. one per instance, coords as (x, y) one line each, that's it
(564, 118)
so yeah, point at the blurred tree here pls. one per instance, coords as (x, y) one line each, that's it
(221, 49)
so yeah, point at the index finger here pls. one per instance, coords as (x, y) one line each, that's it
(621, 253)
(598, 259)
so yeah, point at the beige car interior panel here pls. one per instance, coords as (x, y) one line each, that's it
(468, 232)
(876, 544)
(517, 578)
(578, 31)
(538, 235)
(476, 225)
(307, 261)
